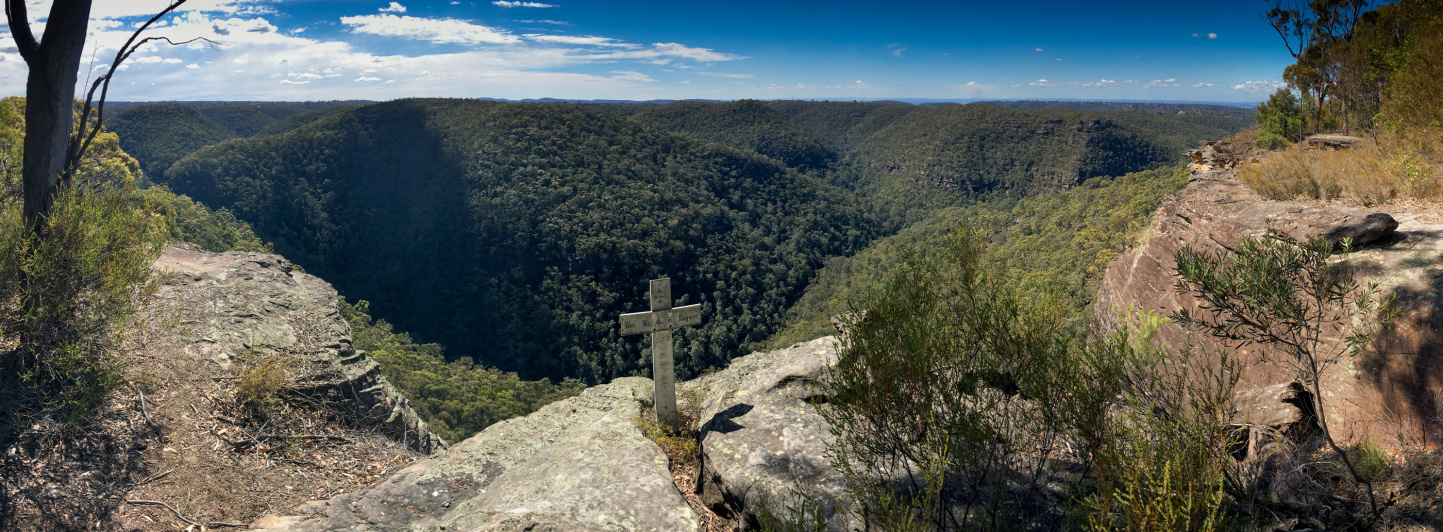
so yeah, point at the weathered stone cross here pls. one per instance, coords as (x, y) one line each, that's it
(659, 322)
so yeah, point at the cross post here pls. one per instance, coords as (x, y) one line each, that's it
(659, 322)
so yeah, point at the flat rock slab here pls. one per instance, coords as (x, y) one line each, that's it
(763, 442)
(577, 464)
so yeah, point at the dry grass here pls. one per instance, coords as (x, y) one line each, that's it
(1364, 175)
(683, 452)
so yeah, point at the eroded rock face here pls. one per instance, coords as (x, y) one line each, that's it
(1378, 395)
(576, 464)
(762, 439)
(254, 304)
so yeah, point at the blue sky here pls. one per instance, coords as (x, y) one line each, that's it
(637, 50)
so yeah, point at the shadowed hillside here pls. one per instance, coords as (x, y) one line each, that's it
(516, 233)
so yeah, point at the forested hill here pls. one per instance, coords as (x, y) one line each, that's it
(746, 124)
(517, 233)
(158, 134)
(923, 158)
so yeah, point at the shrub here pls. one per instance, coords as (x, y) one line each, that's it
(1158, 431)
(956, 393)
(1282, 297)
(70, 298)
(948, 390)
(262, 379)
(1269, 141)
(1281, 117)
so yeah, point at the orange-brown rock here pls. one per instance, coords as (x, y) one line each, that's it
(1391, 395)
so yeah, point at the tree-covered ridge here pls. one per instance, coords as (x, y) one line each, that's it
(300, 119)
(159, 135)
(843, 124)
(1058, 242)
(517, 233)
(980, 148)
(743, 124)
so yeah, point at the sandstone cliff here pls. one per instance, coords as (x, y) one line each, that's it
(1390, 394)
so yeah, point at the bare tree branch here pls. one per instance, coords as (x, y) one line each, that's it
(77, 147)
(19, 19)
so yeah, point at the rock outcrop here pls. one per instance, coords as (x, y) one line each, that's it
(763, 442)
(576, 464)
(584, 464)
(1380, 395)
(240, 303)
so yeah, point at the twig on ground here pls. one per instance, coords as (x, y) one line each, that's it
(161, 503)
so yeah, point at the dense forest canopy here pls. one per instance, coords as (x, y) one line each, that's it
(514, 233)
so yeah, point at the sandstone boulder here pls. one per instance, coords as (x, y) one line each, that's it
(763, 442)
(576, 464)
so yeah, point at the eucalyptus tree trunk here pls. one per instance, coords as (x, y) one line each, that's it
(54, 62)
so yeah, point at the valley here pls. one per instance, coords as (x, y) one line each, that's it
(512, 234)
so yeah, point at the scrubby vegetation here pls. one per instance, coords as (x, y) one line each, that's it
(1059, 242)
(1363, 72)
(960, 396)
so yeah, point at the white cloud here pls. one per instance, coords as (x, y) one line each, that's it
(631, 75)
(504, 3)
(704, 55)
(289, 82)
(578, 40)
(192, 65)
(395, 7)
(973, 89)
(898, 51)
(1042, 83)
(1170, 80)
(1201, 85)
(1212, 35)
(437, 30)
(727, 75)
(368, 79)
(1039, 49)
(1260, 88)
(308, 75)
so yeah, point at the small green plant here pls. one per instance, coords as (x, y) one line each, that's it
(1271, 141)
(263, 378)
(1371, 461)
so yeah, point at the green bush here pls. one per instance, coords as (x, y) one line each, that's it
(956, 374)
(1281, 117)
(1156, 430)
(957, 390)
(188, 221)
(1269, 141)
(70, 298)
